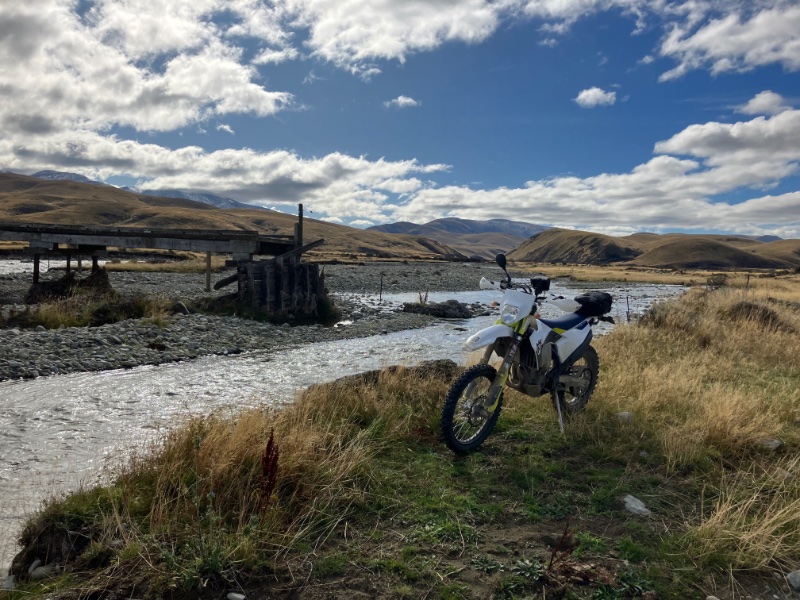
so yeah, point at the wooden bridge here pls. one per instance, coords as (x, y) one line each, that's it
(279, 285)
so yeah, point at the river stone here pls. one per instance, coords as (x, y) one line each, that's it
(770, 444)
(43, 572)
(635, 506)
(793, 579)
(711, 598)
(624, 417)
(40, 328)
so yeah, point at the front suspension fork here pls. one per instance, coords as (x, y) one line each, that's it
(493, 395)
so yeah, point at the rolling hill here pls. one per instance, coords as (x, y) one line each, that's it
(572, 246)
(26, 199)
(666, 251)
(702, 253)
(785, 250)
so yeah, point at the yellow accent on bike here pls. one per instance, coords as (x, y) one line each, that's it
(559, 331)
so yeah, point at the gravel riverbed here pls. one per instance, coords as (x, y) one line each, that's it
(130, 343)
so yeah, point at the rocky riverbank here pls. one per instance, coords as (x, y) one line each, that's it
(35, 353)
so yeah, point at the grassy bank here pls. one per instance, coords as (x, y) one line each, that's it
(765, 280)
(348, 492)
(82, 311)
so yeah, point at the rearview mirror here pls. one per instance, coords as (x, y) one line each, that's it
(501, 260)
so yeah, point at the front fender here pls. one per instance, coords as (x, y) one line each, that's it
(487, 336)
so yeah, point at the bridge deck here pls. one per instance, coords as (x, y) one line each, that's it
(44, 239)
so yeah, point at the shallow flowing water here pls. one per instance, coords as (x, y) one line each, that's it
(59, 431)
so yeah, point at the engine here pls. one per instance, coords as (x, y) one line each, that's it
(525, 374)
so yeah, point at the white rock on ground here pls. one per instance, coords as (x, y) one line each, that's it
(636, 506)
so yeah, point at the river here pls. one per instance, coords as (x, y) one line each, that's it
(60, 431)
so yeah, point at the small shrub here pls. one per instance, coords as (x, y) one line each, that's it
(717, 280)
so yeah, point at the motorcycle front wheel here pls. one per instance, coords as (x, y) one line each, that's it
(466, 420)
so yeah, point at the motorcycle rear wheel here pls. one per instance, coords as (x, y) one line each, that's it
(465, 421)
(587, 367)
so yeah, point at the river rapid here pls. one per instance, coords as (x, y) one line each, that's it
(60, 431)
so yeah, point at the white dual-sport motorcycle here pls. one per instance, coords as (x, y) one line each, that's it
(539, 356)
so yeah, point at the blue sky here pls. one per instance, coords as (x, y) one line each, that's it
(612, 116)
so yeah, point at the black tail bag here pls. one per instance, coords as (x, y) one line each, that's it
(594, 304)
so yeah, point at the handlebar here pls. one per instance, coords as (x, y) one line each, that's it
(487, 284)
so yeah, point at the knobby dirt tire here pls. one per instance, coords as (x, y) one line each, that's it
(589, 363)
(464, 426)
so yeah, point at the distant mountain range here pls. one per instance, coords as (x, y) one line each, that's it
(204, 197)
(476, 239)
(64, 176)
(64, 198)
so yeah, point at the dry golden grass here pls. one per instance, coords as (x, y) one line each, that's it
(201, 486)
(709, 379)
(83, 310)
(615, 273)
(754, 522)
(710, 371)
(189, 263)
(782, 284)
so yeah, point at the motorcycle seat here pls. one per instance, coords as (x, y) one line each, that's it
(564, 322)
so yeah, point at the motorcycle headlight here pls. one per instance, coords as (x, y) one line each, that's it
(509, 314)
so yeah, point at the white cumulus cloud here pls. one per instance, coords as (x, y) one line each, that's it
(741, 37)
(402, 102)
(677, 188)
(765, 103)
(594, 96)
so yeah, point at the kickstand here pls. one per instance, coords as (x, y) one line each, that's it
(560, 414)
(556, 401)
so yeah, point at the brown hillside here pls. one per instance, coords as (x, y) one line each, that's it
(698, 252)
(569, 246)
(648, 241)
(669, 251)
(643, 238)
(30, 200)
(785, 250)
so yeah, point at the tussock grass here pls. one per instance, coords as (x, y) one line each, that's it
(709, 373)
(709, 379)
(88, 311)
(754, 522)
